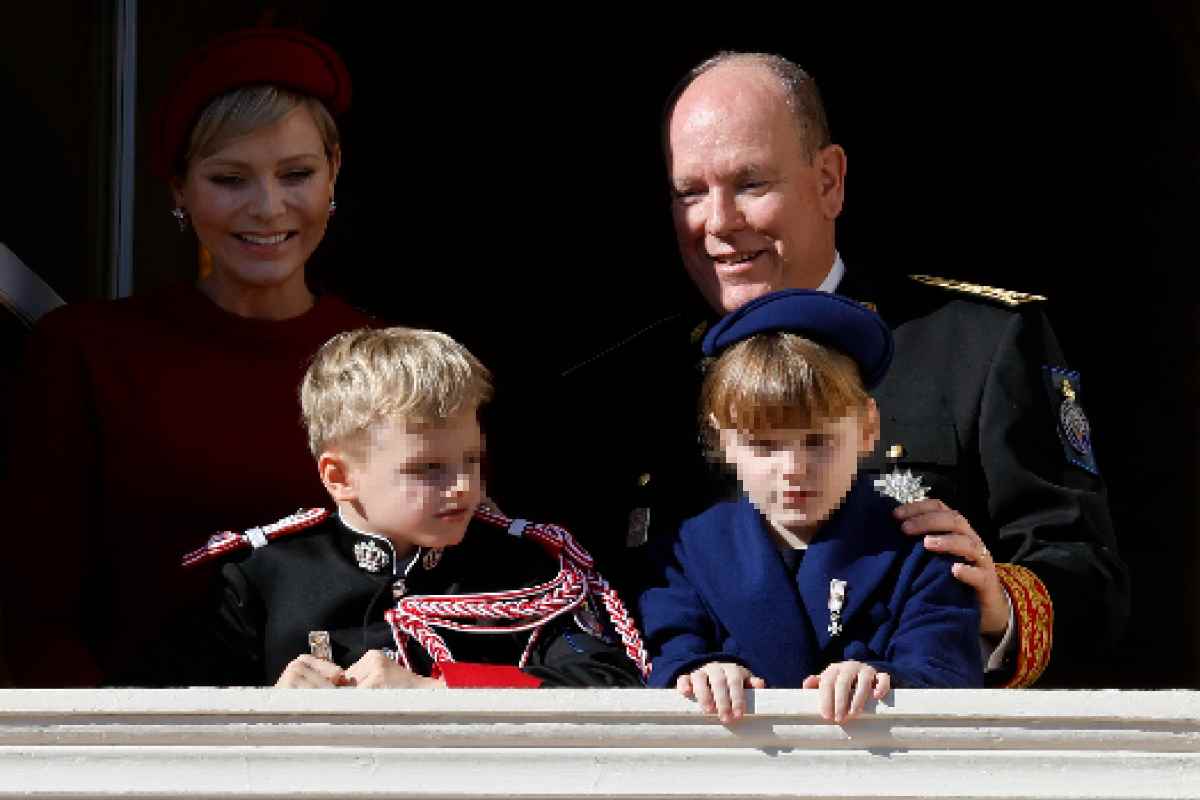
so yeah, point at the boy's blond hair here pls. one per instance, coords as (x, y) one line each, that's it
(779, 380)
(366, 376)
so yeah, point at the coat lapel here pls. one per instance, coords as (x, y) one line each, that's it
(858, 544)
(756, 600)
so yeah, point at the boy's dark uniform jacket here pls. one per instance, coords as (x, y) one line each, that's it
(721, 592)
(974, 396)
(271, 597)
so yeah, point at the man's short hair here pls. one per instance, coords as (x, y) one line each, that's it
(779, 380)
(800, 92)
(362, 377)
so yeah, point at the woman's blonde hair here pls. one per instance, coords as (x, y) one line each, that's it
(366, 376)
(778, 380)
(248, 109)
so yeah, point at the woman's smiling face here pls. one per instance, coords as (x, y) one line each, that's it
(260, 203)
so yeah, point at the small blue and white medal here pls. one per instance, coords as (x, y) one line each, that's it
(837, 602)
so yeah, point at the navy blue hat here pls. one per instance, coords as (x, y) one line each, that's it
(828, 319)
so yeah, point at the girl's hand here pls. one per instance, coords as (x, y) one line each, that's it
(719, 687)
(845, 687)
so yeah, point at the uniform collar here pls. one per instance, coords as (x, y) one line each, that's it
(373, 553)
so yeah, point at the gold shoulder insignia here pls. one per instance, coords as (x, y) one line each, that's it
(1006, 296)
(1034, 614)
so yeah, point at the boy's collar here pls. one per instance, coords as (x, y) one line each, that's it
(376, 553)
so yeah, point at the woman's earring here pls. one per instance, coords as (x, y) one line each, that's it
(332, 206)
(181, 217)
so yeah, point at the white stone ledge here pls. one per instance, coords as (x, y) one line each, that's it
(592, 743)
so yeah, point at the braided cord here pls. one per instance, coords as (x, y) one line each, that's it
(519, 609)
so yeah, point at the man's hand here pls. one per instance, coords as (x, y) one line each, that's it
(376, 671)
(845, 687)
(953, 535)
(719, 687)
(308, 672)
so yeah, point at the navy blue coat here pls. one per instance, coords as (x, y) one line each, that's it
(721, 592)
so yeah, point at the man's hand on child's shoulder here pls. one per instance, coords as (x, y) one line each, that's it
(376, 671)
(310, 672)
(947, 531)
(845, 687)
(720, 688)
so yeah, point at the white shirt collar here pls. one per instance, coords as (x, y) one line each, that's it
(836, 273)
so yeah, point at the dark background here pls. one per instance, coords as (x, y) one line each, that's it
(503, 182)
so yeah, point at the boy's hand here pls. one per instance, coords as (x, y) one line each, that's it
(719, 687)
(376, 671)
(950, 533)
(845, 686)
(309, 672)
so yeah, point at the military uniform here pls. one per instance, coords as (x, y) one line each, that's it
(862, 591)
(310, 575)
(974, 398)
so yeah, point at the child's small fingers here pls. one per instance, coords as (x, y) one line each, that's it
(862, 690)
(811, 682)
(736, 682)
(702, 691)
(683, 685)
(825, 699)
(721, 699)
(883, 685)
(756, 682)
(843, 688)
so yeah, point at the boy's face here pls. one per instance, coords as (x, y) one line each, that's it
(419, 484)
(797, 477)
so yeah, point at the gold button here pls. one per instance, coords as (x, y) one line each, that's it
(644, 479)
(895, 451)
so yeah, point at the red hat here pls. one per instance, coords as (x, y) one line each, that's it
(286, 58)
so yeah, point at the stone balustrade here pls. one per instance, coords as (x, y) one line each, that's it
(226, 743)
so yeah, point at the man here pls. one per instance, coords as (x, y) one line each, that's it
(979, 404)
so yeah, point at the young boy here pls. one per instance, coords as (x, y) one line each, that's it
(393, 588)
(807, 581)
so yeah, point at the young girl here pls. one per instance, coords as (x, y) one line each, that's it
(807, 580)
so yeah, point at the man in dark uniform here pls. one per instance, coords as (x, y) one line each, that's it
(979, 405)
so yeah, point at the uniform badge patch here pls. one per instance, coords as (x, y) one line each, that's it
(1063, 386)
(371, 556)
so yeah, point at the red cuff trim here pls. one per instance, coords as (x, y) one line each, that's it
(464, 675)
(1035, 623)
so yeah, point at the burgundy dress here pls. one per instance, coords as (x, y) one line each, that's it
(144, 425)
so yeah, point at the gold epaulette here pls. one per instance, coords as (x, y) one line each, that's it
(1035, 623)
(1006, 296)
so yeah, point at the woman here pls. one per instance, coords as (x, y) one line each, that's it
(149, 422)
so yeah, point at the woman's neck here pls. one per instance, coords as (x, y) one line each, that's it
(258, 302)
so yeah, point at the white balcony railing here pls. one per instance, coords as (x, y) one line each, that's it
(592, 743)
